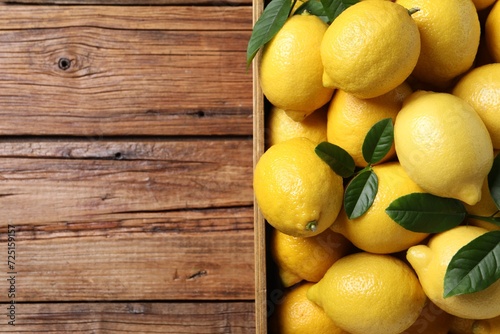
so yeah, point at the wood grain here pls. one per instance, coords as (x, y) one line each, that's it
(127, 174)
(136, 2)
(129, 220)
(132, 71)
(94, 180)
(261, 254)
(154, 265)
(134, 317)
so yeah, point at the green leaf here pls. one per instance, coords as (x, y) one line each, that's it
(474, 267)
(313, 7)
(494, 181)
(378, 141)
(360, 193)
(334, 8)
(422, 212)
(267, 26)
(337, 158)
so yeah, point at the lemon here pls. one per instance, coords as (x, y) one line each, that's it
(299, 258)
(370, 49)
(281, 127)
(449, 32)
(482, 4)
(375, 231)
(298, 315)
(296, 191)
(432, 320)
(366, 293)
(298, 3)
(443, 145)
(487, 326)
(471, 326)
(461, 326)
(430, 262)
(481, 89)
(290, 69)
(492, 32)
(350, 118)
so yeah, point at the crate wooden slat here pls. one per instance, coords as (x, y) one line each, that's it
(135, 317)
(133, 71)
(261, 306)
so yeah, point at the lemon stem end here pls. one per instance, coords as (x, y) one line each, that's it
(312, 226)
(413, 10)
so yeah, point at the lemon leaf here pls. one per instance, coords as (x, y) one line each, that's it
(494, 181)
(360, 193)
(337, 158)
(314, 7)
(378, 141)
(267, 26)
(426, 213)
(474, 267)
(334, 8)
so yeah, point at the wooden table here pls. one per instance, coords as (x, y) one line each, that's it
(126, 167)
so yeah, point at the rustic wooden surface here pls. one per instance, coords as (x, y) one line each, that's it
(126, 165)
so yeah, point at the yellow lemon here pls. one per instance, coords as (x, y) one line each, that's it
(471, 326)
(432, 320)
(298, 315)
(461, 326)
(430, 262)
(296, 191)
(482, 4)
(354, 50)
(366, 293)
(299, 258)
(375, 231)
(492, 32)
(350, 118)
(281, 127)
(487, 326)
(290, 69)
(298, 3)
(443, 145)
(481, 89)
(449, 32)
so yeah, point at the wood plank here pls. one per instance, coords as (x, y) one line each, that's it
(173, 77)
(127, 181)
(183, 17)
(119, 265)
(135, 2)
(111, 318)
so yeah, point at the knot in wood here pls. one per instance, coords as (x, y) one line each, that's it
(64, 63)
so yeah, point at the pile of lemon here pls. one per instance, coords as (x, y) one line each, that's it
(433, 67)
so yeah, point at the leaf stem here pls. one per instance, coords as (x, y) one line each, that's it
(491, 219)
